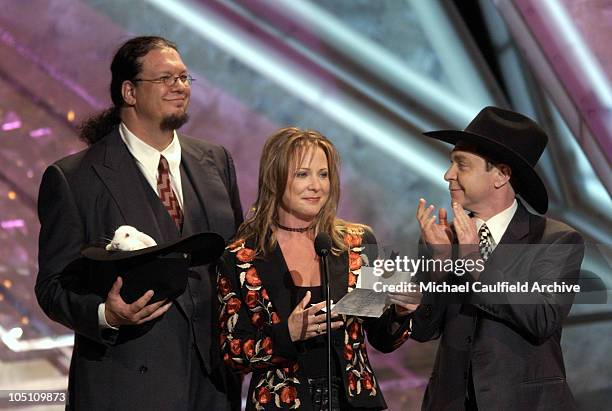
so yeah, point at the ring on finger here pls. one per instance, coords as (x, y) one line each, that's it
(319, 328)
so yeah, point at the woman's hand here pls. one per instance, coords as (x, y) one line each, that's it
(303, 323)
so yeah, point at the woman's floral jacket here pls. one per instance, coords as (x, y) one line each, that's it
(255, 302)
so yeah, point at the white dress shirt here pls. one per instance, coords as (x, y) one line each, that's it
(498, 223)
(147, 159)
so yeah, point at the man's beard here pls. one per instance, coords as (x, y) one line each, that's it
(173, 121)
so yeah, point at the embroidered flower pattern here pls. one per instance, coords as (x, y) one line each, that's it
(276, 386)
(360, 376)
(353, 240)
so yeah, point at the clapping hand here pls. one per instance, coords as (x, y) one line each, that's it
(438, 236)
(465, 230)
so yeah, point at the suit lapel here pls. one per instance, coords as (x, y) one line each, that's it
(517, 233)
(121, 177)
(518, 229)
(276, 279)
(194, 217)
(208, 186)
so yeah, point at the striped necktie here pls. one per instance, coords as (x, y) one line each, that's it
(485, 242)
(166, 194)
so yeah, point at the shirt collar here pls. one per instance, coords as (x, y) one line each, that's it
(499, 222)
(148, 156)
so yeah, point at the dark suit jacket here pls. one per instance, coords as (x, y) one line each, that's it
(255, 295)
(511, 341)
(83, 198)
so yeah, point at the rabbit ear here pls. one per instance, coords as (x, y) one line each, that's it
(146, 240)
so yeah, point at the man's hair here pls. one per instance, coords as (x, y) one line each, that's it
(126, 65)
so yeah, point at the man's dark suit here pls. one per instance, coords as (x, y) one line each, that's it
(83, 198)
(511, 352)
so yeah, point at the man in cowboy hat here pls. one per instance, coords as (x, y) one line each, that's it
(498, 351)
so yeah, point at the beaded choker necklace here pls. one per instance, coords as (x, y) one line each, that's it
(294, 230)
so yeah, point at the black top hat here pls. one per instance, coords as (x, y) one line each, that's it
(503, 136)
(162, 268)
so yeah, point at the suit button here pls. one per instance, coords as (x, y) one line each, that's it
(427, 310)
(468, 339)
(143, 369)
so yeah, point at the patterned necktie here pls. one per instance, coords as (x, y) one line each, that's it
(485, 242)
(166, 195)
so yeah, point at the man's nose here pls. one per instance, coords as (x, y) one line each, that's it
(179, 85)
(450, 173)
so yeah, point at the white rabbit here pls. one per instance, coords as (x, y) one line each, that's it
(127, 238)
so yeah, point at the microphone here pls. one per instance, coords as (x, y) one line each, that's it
(322, 245)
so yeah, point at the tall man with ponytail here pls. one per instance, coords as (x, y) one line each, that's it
(158, 356)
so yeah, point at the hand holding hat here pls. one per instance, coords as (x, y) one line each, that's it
(117, 312)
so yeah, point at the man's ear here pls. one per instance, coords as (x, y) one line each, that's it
(503, 174)
(128, 92)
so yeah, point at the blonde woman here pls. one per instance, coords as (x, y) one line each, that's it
(270, 287)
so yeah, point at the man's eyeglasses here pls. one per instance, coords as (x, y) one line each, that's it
(170, 81)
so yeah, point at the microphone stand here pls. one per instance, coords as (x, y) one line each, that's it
(325, 278)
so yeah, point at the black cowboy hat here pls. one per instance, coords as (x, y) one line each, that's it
(503, 136)
(162, 268)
